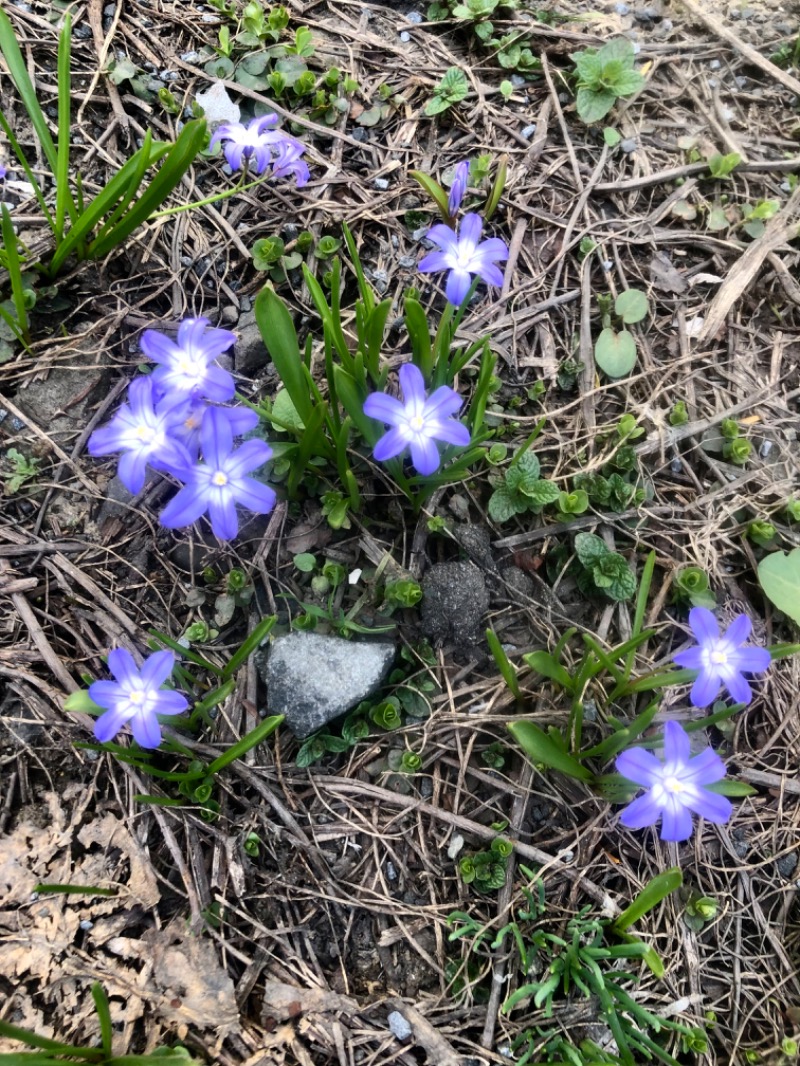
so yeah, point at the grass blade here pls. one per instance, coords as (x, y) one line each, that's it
(24, 86)
(14, 271)
(250, 740)
(504, 664)
(249, 645)
(64, 201)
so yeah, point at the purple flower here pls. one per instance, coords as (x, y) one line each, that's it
(288, 162)
(464, 256)
(458, 188)
(3, 171)
(721, 660)
(418, 422)
(241, 419)
(675, 789)
(136, 697)
(255, 145)
(186, 366)
(219, 483)
(144, 431)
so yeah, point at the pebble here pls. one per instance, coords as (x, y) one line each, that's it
(713, 83)
(86, 925)
(407, 261)
(110, 10)
(415, 17)
(765, 449)
(381, 183)
(676, 466)
(405, 36)
(622, 9)
(666, 25)
(564, 98)
(741, 82)
(529, 131)
(518, 81)
(360, 134)
(190, 57)
(628, 145)
(169, 75)
(399, 1027)
(83, 32)
(209, 18)
(714, 64)
(607, 265)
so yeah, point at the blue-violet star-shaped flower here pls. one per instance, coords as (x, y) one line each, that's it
(418, 422)
(674, 788)
(242, 420)
(721, 659)
(135, 697)
(257, 142)
(144, 430)
(464, 254)
(187, 365)
(220, 482)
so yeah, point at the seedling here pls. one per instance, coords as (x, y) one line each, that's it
(603, 76)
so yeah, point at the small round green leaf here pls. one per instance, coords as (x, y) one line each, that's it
(615, 353)
(779, 576)
(631, 306)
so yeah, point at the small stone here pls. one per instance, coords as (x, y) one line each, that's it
(407, 261)
(676, 466)
(455, 599)
(190, 57)
(381, 183)
(666, 25)
(651, 12)
(399, 1027)
(313, 679)
(249, 352)
(360, 134)
(741, 81)
(628, 145)
(529, 131)
(82, 32)
(622, 9)
(787, 864)
(110, 10)
(713, 83)
(405, 36)
(415, 17)
(714, 64)
(518, 81)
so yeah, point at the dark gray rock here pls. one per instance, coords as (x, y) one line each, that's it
(786, 864)
(250, 352)
(455, 599)
(313, 679)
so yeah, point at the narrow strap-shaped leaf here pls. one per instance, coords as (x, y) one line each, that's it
(249, 644)
(306, 447)
(104, 1017)
(24, 86)
(435, 191)
(64, 201)
(540, 748)
(122, 187)
(14, 270)
(173, 167)
(250, 740)
(375, 329)
(419, 335)
(658, 888)
(364, 287)
(280, 337)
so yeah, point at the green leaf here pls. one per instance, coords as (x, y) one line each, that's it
(592, 106)
(611, 137)
(524, 464)
(436, 105)
(305, 562)
(503, 506)
(540, 492)
(18, 70)
(544, 663)
(615, 352)
(454, 85)
(285, 412)
(266, 252)
(280, 337)
(628, 82)
(590, 548)
(779, 577)
(732, 788)
(612, 574)
(540, 748)
(631, 306)
(588, 66)
(658, 888)
(433, 189)
(82, 702)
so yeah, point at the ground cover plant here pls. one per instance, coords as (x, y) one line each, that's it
(462, 340)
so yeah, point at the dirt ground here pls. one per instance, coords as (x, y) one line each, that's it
(286, 926)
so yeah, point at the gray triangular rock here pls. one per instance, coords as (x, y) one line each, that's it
(313, 679)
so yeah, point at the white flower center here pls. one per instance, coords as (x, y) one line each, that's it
(137, 698)
(718, 658)
(146, 434)
(464, 257)
(219, 478)
(417, 423)
(672, 784)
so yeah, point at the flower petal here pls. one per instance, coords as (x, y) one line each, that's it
(450, 432)
(121, 664)
(738, 687)
(184, 508)
(753, 660)
(739, 630)
(705, 688)
(457, 286)
(445, 237)
(442, 402)
(241, 420)
(709, 805)
(676, 744)
(488, 273)
(109, 724)
(224, 519)
(216, 438)
(644, 811)
(132, 470)
(703, 769)
(493, 250)
(435, 261)
(157, 668)
(639, 766)
(384, 408)
(249, 456)
(146, 730)
(218, 385)
(691, 659)
(254, 495)
(703, 624)
(676, 822)
(171, 703)
(157, 347)
(470, 229)
(105, 693)
(390, 445)
(413, 384)
(424, 455)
